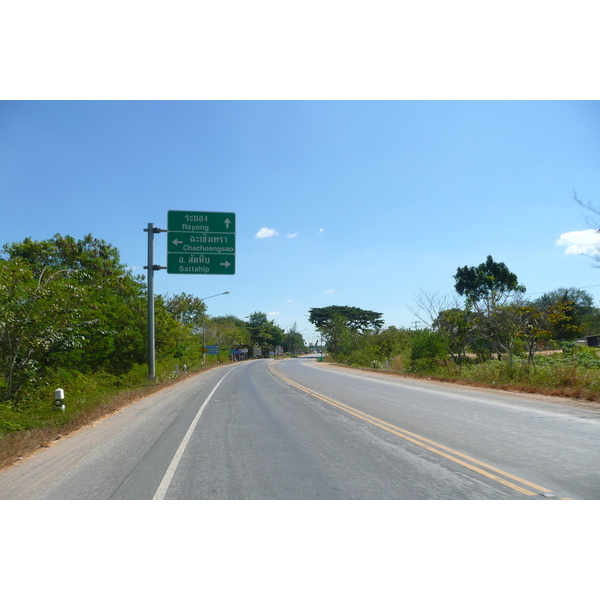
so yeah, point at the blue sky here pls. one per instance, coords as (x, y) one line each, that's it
(365, 203)
(371, 201)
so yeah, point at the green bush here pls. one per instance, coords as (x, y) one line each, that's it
(363, 357)
(428, 351)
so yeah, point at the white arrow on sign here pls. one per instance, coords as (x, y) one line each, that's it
(177, 242)
(227, 223)
(225, 264)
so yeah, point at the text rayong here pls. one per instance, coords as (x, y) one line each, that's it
(186, 227)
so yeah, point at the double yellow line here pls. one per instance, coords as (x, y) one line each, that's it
(512, 481)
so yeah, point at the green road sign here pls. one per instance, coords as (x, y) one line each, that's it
(200, 222)
(200, 243)
(200, 264)
(210, 243)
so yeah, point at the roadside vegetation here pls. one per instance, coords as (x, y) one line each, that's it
(72, 316)
(487, 334)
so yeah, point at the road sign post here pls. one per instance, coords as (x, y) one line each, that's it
(151, 268)
(199, 243)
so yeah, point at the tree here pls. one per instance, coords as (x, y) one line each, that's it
(534, 328)
(87, 259)
(445, 316)
(341, 326)
(487, 289)
(186, 315)
(111, 310)
(486, 286)
(293, 341)
(230, 331)
(264, 334)
(356, 319)
(38, 318)
(578, 306)
(188, 310)
(72, 304)
(455, 327)
(427, 351)
(391, 341)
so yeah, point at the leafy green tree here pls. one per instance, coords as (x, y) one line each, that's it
(229, 331)
(373, 348)
(88, 259)
(534, 328)
(580, 315)
(172, 337)
(340, 340)
(36, 322)
(230, 320)
(180, 327)
(428, 351)
(455, 327)
(112, 309)
(72, 304)
(264, 334)
(538, 323)
(487, 286)
(446, 316)
(188, 310)
(502, 330)
(564, 321)
(391, 341)
(342, 326)
(487, 289)
(293, 341)
(356, 319)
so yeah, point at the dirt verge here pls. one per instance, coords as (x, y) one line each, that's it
(21, 445)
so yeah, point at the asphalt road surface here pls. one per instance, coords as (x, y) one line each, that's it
(299, 429)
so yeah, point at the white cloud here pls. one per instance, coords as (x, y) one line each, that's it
(320, 231)
(289, 301)
(265, 232)
(328, 292)
(580, 242)
(276, 312)
(292, 235)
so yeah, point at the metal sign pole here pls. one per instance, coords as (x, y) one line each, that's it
(151, 268)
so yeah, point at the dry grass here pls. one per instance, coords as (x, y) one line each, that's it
(576, 393)
(573, 392)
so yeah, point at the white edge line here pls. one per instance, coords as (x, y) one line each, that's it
(166, 481)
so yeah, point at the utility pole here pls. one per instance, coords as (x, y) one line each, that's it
(151, 268)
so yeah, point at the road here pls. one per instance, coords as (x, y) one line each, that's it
(299, 429)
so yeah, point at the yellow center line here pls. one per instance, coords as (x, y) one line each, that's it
(430, 445)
